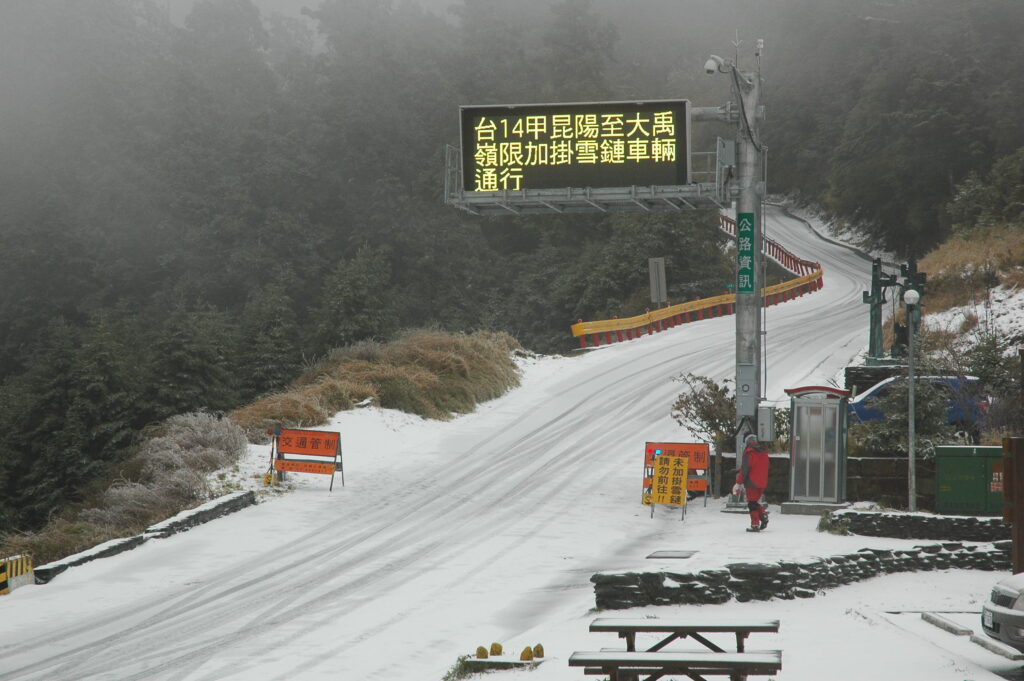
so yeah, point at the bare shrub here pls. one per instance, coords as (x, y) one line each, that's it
(968, 324)
(706, 409)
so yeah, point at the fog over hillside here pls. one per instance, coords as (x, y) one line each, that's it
(194, 210)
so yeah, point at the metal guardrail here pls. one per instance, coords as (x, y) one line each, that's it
(651, 322)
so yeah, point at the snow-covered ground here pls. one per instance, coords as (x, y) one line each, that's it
(1001, 314)
(487, 528)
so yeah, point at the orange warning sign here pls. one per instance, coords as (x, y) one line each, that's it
(304, 466)
(696, 451)
(308, 442)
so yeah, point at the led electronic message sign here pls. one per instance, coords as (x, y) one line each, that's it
(551, 146)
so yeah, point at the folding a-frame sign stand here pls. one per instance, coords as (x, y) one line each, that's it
(307, 443)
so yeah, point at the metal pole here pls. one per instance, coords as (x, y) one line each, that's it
(749, 189)
(747, 87)
(1013, 492)
(911, 472)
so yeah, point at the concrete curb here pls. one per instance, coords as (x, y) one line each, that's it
(996, 647)
(183, 521)
(945, 624)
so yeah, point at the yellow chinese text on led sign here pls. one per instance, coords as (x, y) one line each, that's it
(551, 146)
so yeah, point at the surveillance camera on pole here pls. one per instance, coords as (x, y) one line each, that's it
(714, 64)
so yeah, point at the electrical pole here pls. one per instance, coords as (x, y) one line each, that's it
(749, 192)
(748, 276)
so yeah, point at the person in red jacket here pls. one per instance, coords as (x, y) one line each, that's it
(752, 478)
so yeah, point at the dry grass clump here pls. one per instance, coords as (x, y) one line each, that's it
(170, 468)
(963, 268)
(61, 537)
(425, 372)
(292, 409)
(306, 404)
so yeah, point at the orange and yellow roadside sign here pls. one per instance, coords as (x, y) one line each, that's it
(672, 468)
(307, 443)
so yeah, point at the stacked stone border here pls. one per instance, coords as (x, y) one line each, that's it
(917, 526)
(788, 579)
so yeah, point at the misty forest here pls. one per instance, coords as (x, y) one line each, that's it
(198, 199)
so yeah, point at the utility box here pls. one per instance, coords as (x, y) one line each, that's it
(766, 423)
(969, 480)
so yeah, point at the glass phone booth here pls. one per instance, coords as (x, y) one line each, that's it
(817, 452)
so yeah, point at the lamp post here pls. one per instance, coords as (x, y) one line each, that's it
(911, 298)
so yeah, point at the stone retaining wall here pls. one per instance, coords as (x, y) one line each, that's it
(179, 523)
(918, 526)
(785, 579)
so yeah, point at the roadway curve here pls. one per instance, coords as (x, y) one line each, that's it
(508, 511)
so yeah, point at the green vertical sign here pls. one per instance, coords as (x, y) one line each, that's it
(744, 253)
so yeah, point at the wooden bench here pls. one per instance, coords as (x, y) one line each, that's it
(694, 628)
(696, 665)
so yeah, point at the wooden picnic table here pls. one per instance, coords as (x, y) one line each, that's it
(697, 665)
(692, 627)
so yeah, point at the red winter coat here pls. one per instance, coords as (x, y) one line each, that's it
(753, 472)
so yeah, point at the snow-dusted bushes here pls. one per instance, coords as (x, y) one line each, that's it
(165, 476)
(173, 464)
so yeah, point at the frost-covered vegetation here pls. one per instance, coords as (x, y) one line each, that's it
(167, 474)
(426, 372)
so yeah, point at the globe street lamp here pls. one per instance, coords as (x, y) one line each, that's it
(911, 298)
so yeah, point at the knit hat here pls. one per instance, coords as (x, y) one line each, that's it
(749, 439)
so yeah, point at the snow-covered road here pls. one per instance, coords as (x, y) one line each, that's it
(449, 535)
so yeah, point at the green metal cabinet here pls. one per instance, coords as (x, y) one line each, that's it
(969, 480)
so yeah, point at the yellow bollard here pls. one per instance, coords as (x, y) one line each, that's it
(538, 650)
(527, 654)
(481, 653)
(495, 649)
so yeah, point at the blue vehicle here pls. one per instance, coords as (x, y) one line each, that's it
(967, 403)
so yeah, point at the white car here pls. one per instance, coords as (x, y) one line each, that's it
(1002, 617)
